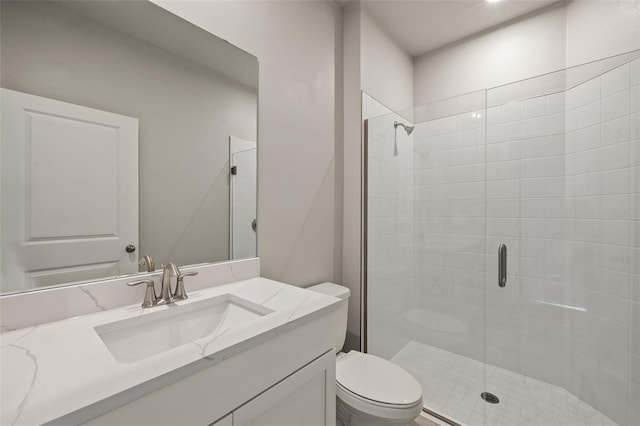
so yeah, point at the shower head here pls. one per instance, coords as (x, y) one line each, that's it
(408, 129)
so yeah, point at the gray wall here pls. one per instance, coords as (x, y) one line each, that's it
(298, 45)
(186, 113)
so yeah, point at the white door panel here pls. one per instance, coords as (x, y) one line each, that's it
(62, 205)
(69, 192)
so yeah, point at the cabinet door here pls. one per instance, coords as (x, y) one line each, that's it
(306, 398)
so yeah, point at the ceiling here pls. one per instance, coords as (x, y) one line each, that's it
(423, 25)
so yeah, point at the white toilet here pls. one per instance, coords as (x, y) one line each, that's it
(370, 390)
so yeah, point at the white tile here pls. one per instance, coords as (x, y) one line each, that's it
(615, 131)
(533, 128)
(635, 315)
(615, 206)
(570, 120)
(535, 107)
(509, 131)
(469, 138)
(532, 168)
(615, 106)
(556, 166)
(615, 80)
(615, 182)
(588, 161)
(447, 125)
(471, 120)
(535, 147)
(587, 207)
(532, 188)
(556, 103)
(556, 145)
(634, 125)
(560, 186)
(634, 179)
(504, 113)
(615, 232)
(588, 138)
(588, 115)
(512, 112)
(634, 95)
(584, 94)
(635, 72)
(614, 282)
(555, 124)
(615, 156)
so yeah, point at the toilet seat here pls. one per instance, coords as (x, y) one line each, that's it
(371, 380)
(371, 412)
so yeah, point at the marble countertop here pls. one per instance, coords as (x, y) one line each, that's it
(52, 370)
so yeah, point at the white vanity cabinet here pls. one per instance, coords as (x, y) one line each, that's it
(307, 397)
(288, 379)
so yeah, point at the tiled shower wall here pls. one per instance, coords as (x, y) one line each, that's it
(449, 229)
(562, 177)
(600, 343)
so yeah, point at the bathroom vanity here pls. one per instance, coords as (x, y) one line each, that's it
(76, 345)
(252, 351)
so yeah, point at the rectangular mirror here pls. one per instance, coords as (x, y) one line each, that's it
(126, 131)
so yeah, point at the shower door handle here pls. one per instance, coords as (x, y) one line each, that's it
(502, 265)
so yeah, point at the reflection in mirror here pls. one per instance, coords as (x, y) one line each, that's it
(117, 119)
(242, 218)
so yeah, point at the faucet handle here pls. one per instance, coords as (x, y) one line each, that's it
(150, 297)
(148, 262)
(180, 292)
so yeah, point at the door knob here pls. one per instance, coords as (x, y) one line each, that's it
(130, 248)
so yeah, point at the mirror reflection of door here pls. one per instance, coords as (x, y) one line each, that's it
(69, 192)
(243, 191)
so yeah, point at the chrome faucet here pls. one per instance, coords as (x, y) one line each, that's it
(167, 296)
(169, 270)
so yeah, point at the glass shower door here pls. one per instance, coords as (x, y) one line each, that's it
(425, 249)
(561, 174)
(519, 174)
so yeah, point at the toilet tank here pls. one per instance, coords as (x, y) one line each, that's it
(339, 327)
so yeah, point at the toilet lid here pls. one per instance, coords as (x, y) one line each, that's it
(377, 379)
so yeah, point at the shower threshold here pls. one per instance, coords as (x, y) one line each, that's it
(452, 384)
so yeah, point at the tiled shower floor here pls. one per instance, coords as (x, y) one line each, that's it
(452, 385)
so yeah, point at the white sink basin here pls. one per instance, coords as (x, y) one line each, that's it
(133, 339)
